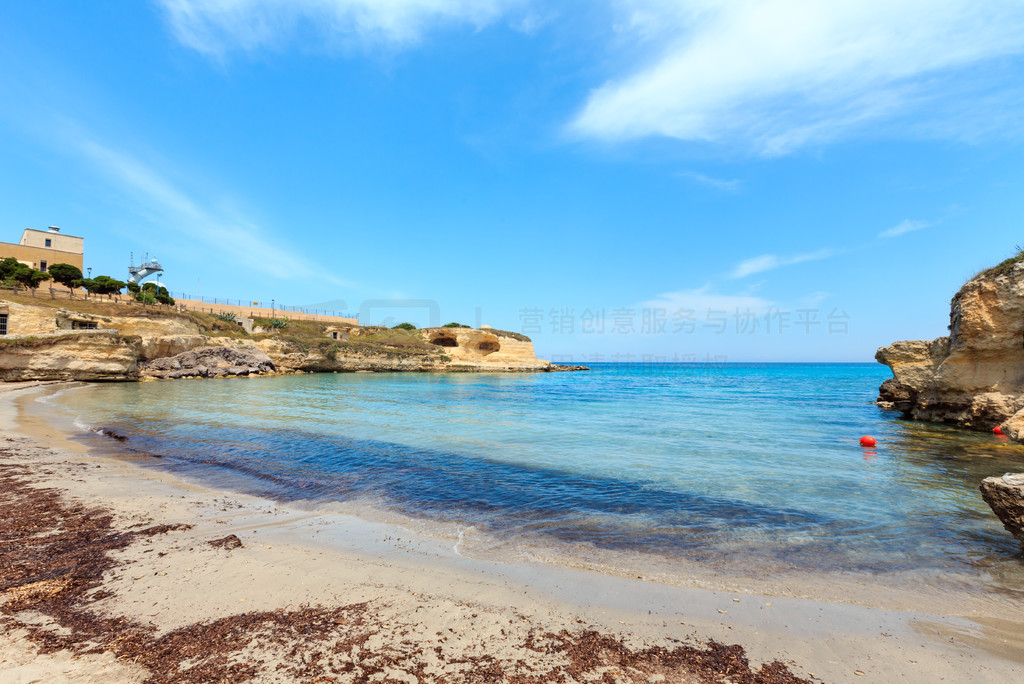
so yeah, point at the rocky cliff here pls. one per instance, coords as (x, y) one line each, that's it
(53, 342)
(974, 377)
(429, 349)
(77, 356)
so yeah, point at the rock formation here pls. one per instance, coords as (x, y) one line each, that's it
(974, 377)
(170, 344)
(75, 356)
(1006, 497)
(210, 362)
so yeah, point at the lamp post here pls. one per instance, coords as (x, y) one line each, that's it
(89, 269)
(273, 309)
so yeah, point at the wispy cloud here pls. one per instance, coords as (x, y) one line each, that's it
(233, 236)
(780, 74)
(215, 27)
(905, 226)
(770, 262)
(705, 299)
(731, 185)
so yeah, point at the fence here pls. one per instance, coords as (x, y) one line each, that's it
(273, 305)
(189, 304)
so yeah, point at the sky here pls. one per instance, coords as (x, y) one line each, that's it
(622, 180)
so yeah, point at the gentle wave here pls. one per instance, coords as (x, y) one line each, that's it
(747, 466)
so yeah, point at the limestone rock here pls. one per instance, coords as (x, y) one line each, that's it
(974, 377)
(162, 346)
(1006, 497)
(75, 356)
(486, 348)
(454, 349)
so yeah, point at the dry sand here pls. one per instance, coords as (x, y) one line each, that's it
(316, 596)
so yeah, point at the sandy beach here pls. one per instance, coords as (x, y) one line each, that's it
(116, 573)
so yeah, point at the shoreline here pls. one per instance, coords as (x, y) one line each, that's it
(292, 557)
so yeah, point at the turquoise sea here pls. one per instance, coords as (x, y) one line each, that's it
(749, 469)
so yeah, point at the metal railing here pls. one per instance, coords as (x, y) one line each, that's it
(286, 311)
(249, 303)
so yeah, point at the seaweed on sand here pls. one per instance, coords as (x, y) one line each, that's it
(54, 553)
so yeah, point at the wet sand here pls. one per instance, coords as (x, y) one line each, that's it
(312, 594)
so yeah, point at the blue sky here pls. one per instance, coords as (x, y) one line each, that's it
(746, 180)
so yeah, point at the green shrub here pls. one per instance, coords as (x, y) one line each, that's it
(278, 323)
(404, 326)
(454, 325)
(226, 316)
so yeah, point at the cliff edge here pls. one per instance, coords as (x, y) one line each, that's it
(102, 340)
(974, 377)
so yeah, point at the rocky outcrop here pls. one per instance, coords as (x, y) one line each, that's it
(973, 378)
(170, 344)
(485, 349)
(445, 350)
(1006, 497)
(210, 362)
(80, 356)
(163, 346)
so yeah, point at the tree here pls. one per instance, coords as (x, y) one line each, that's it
(29, 277)
(65, 274)
(102, 285)
(133, 288)
(7, 267)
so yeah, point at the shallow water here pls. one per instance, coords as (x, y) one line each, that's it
(750, 468)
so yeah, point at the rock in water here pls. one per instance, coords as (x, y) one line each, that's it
(1006, 500)
(974, 377)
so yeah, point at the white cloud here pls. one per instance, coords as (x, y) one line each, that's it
(217, 26)
(725, 185)
(905, 226)
(779, 74)
(703, 299)
(231, 235)
(770, 262)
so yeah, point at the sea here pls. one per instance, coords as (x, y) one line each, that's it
(666, 471)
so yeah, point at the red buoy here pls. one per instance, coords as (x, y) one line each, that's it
(868, 441)
(997, 430)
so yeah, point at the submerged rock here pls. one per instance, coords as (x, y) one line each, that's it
(1006, 497)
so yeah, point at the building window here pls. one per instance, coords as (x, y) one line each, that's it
(49, 242)
(3, 324)
(42, 266)
(83, 325)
